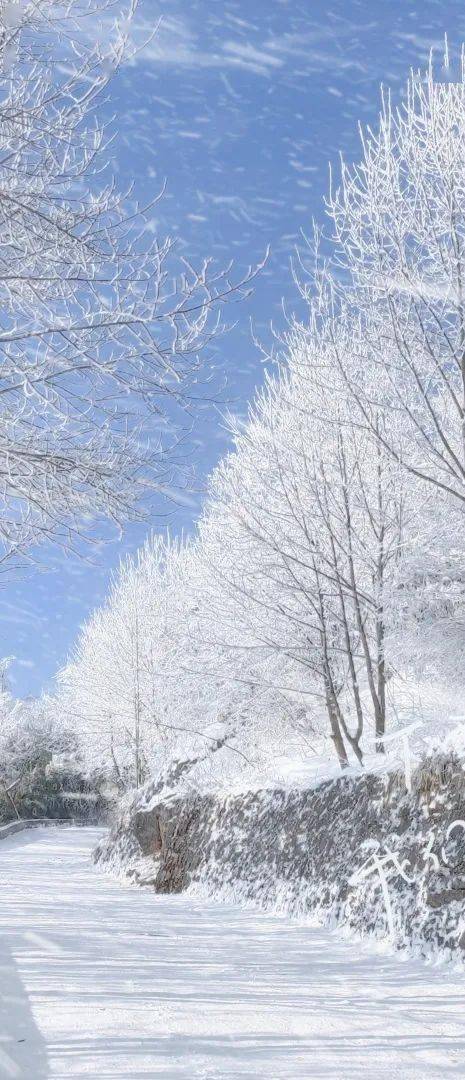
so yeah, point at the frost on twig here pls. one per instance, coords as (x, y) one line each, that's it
(102, 324)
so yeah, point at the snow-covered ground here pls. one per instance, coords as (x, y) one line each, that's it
(101, 979)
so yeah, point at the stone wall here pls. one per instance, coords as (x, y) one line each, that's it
(298, 850)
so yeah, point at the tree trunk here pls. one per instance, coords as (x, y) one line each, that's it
(336, 733)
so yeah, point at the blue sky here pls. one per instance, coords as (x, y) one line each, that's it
(240, 106)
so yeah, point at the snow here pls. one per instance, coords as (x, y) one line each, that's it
(104, 979)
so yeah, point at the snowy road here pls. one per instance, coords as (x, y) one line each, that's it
(104, 980)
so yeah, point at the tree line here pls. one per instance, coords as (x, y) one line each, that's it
(327, 565)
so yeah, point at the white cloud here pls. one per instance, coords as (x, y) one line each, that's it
(175, 44)
(173, 41)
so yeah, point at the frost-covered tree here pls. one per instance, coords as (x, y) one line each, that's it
(399, 225)
(101, 325)
(399, 230)
(153, 684)
(316, 511)
(108, 686)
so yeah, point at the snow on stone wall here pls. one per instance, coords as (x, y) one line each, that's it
(355, 851)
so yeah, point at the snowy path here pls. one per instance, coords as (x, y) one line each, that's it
(104, 980)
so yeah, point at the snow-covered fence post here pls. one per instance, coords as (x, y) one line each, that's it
(404, 734)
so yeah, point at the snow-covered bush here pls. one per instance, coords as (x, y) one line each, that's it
(42, 771)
